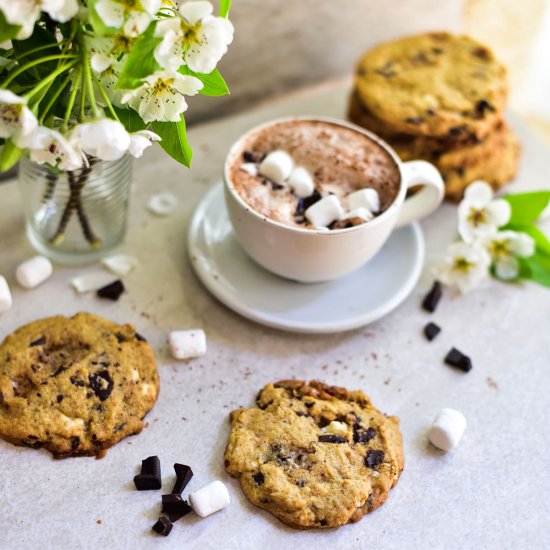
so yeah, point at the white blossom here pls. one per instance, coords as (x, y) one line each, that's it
(49, 146)
(505, 247)
(479, 214)
(195, 38)
(132, 16)
(464, 267)
(139, 141)
(104, 138)
(162, 96)
(16, 119)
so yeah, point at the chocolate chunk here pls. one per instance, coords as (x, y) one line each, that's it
(437, 51)
(431, 330)
(259, 478)
(140, 337)
(363, 436)
(432, 298)
(112, 291)
(77, 381)
(457, 359)
(374, 459)
(332, 438)
(60, 398)
(415, 120)
(149, 477)
(306, 202)
(175, 507)
(301, 483)
(430, 112)
(59, 370)
(302, 413)
(457, 130)
(101, 383)
(483, 105)
(163, 526)
(251, 156)
(75, 443)
(481, 52)
(38, 342)
(183, 477)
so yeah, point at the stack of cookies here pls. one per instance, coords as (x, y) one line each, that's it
(439, 97)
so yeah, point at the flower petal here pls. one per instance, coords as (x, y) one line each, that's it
(479, 190)
(61, 11)
(507, 268)
(195, 11)
(100, 62)
(522, 245)
(169, 53)
(139, 141)
(499, 212)
(111, 13)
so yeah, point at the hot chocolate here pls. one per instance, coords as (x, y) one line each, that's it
(284, 169)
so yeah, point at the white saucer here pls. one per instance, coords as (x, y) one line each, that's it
(242, 285)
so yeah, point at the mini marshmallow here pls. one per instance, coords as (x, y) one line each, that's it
(33, 272)
(301, 182)
(5, 295)
(447, 429)
(367, 198)
(186, 344)
(361, 212)
(325, 211)
(209, 499)
(277, 166)
(162, 204)
(250, 168)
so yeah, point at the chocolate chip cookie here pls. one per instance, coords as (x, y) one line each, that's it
(75, 386)
(434, 84)
(315, 456)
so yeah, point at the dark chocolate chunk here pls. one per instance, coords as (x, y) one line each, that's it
(259, 478)
(251, 156)
(149, 477)
(457, 359)
(306, 202)
(432, 298)
(163, 526)
(431, 330)
(457, 130)
(75, 443)
(59, 370)
(183, 477)
(483, 105)
(301, 483)
(101, 383)
(374, 459)
(39, 341)
(363, 436)
(332, 438)
(112, 291)
(414, 120)
(140, 337)
(430, 112)
(481, 52)
(437, 51)
(77, 381)
(175, 507)
(60, 398)
(302, 413)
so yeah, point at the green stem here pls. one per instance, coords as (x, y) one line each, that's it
(82, 97)
(53, 99)
(105, 96)
(70, 104)
(87, 74)
(39, 49)
(46, 81)
(32, 64)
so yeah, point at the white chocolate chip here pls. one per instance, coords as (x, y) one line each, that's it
(301, 182)
(250, 168)
(162, 204)
(186, 344)
(367, 198)
(447, 429)
(33, 272)
(324, 212)
(6, 300)
(120, 264)
(135, 375)
(91, 281)
(336, 427)
(361, 212)
(147, 389)
(209, 499)
(277, 166)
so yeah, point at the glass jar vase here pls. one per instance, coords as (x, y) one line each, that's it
(76, 217)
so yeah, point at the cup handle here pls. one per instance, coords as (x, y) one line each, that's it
(425, 201)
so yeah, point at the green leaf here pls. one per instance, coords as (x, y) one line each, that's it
(131, 119)
(225, 5)
(9, 156)
(96, 21)
(141, 60)
(527, 207)
(7, 30)
(38, 39)
(214, 84)
(536, 268)
(174, 140)
(542, 242)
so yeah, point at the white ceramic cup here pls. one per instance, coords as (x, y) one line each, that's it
(310, 255)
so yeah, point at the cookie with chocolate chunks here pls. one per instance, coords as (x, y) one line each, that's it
(75, 385)
(313, 455)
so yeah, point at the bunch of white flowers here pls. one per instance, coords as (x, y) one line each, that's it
(82, 79)
(487, 247)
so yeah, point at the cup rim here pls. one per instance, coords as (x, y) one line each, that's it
(330, 120)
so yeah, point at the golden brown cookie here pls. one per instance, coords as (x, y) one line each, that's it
(315, 456)
(433, 84)
(75, 386)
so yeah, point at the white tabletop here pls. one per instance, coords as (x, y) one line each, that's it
(493, 491)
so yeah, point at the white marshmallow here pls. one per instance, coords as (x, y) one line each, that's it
(91, 281)
(277, 166)
(162, 204)
(324, 212)
(120, 264)
(250, 168)
(209, 499)
(367, 198)
(301, 182)
(447, 429)
(362, 213)
(5, 295)
(185, 344)
(33, 272)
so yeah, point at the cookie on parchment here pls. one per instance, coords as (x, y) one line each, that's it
(315, 456)
(75, 386)
(434, 84)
